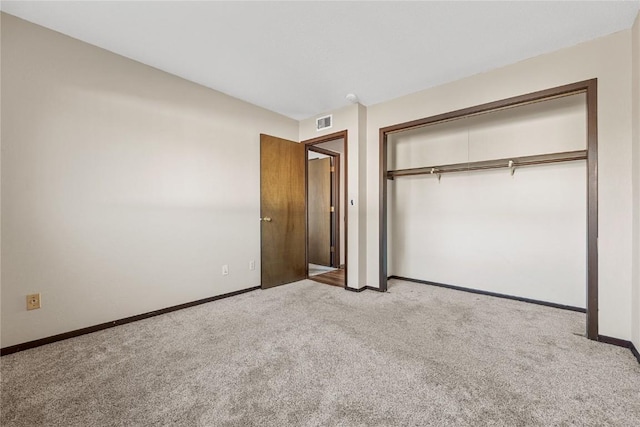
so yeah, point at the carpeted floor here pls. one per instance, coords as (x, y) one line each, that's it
(309, 354)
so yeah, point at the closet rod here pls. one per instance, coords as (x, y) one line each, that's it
(513, 162)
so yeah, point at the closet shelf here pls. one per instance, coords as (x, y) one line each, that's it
(512, 163)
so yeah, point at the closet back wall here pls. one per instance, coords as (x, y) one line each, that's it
(521, 235)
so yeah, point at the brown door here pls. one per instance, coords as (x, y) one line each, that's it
(320, 211)
(282, 211)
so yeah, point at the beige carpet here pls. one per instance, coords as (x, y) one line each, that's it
(308, 354)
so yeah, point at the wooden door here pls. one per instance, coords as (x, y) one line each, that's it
(282, 211)
(319, 173)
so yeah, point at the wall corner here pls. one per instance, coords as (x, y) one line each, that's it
(635, 143)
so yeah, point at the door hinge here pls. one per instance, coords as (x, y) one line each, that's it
(333, 209)
(333, 248)
(332, 169)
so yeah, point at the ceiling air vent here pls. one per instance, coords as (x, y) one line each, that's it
(324, 122)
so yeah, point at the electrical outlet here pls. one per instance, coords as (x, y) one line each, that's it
(33, 301)
(225, 270)
(252, 265)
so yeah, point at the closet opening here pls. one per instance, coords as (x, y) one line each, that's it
(499, 199)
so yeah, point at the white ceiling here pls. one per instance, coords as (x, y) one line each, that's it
(302, 58)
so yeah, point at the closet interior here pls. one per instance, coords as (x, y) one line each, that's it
(495, 201)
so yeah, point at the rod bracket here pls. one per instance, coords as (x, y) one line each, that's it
(438, 174)
(512, 167)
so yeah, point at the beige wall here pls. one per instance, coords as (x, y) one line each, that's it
(124, 189)
(635, 94)
(362, 193)
(350, 118)
(0, 183)
(606, 58)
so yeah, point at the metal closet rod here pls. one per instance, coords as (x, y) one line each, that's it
(512, 163)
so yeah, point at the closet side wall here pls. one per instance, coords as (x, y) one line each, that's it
(609, 60)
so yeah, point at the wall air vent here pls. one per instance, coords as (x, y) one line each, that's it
(323, 123)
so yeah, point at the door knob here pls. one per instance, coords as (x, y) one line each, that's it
(266, 218)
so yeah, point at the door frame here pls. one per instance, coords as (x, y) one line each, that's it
(335, 201)
(309, 144)
(588, 87)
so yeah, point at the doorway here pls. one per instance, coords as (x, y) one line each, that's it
(326, 214)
